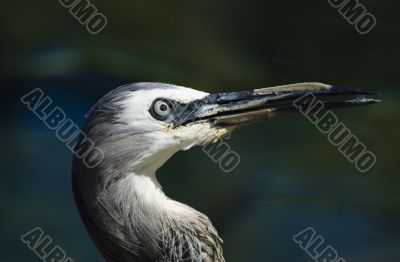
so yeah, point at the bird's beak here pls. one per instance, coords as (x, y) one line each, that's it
(240, 108)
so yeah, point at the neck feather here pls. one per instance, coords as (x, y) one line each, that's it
(132, 219)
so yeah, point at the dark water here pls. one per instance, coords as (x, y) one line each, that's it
(289, 178)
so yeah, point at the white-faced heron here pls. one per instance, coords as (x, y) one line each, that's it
(138, 127)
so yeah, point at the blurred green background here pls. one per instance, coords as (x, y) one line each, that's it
(290, 177)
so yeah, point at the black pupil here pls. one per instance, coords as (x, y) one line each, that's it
(163, 107)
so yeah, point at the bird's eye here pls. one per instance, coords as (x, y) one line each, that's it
(161, 109)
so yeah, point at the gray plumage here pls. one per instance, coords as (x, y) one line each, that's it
(122, 226)
(138, 127)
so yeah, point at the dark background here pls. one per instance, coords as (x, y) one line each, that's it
(290, 177)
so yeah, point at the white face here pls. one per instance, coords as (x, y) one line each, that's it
(166, 140)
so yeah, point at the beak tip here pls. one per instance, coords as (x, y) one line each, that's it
(351, 91)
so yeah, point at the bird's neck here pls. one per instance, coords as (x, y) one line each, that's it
(146, 193)
(134, 214)
(130, 217)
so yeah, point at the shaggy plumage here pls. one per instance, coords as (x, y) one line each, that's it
(120, 200)
(124, 209)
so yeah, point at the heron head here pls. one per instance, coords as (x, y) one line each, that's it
(149, 122)
(138, 127)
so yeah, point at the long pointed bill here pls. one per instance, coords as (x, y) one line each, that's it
(239, 108)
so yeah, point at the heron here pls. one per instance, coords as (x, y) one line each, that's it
(138, 127)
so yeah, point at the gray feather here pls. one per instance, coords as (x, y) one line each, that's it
(123, 227)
